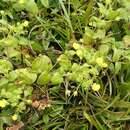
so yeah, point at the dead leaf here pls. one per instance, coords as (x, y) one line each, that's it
(41, 104)
(24, 51)
(16, 126)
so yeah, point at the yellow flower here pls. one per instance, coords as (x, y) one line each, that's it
(81, 40)
(3, 103)
(95, 87)
(21, 1)
(101, 62)
(75, 93)
(2, 12)
(14, 117)
(76, 46)
(104, 65)
(25, 24)
(29, 101)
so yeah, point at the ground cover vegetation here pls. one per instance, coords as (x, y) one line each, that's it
(64, 64)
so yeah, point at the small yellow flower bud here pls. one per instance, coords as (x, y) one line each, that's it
(25, 24)
(14, 117)
(21, 1)
(104, 65)
(29, 101)
(99, 61)
(18, 23)
(2, 12)
(3, 103)
(76, 46)
(81, 40)
(75, 93)
(95, 87)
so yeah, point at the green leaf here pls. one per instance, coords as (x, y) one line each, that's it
(88, 11)
(64, 62)
(1, 124)
(5, 66)
(54, 3)
(111, 67)
(3, 82)
(45, 118)
(26, 76)
(41, 64)
(88, 36)
(45, 3)
(6, 120)
(29, 6)
(23, 41)
(122, 104)
(103, 50)
(36, 46)
(102, 9)
(126, 41)
(100, 34)
(44, 78)
(28, 91)
(12, 76)
(35, 118)
(11, 52)
(21, 106)
(56, 110)
(57, 78)
(126, 27)
(117, 67)
(86, 84)
(11, 41)
(93, 121)
(117, 54)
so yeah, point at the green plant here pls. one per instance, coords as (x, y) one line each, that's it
(64, 64)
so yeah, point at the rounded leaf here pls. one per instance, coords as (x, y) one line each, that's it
(41, 64)
(44, 78)
(117, 67)
(26, 76)
(57, 78)
(5, 66)
(12, 76)
(64, 62)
